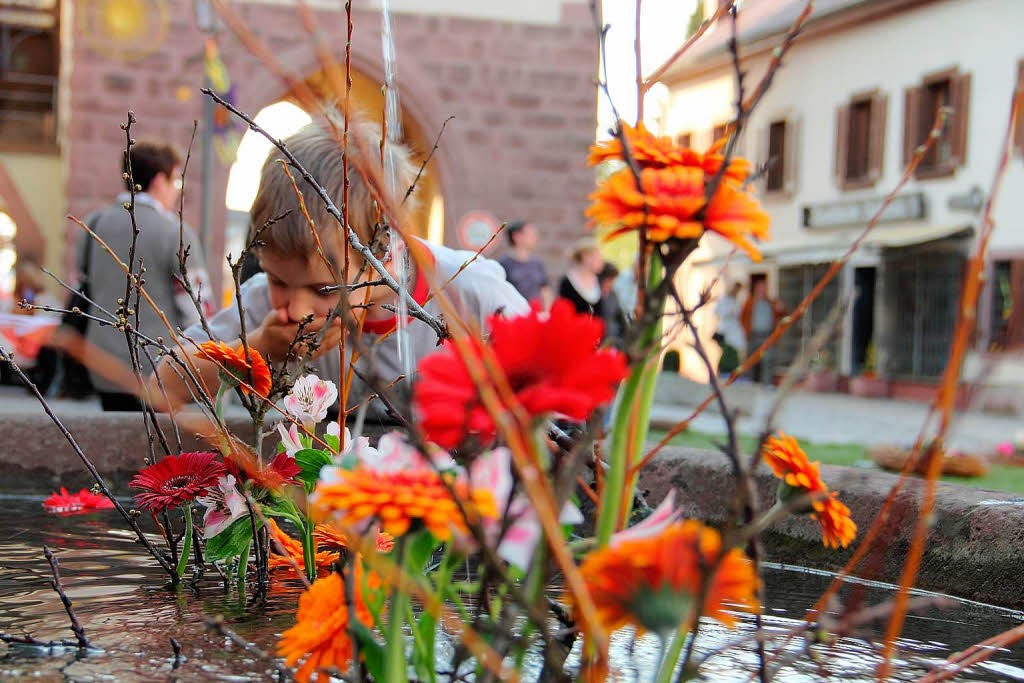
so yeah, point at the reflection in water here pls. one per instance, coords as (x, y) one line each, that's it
(120, 599)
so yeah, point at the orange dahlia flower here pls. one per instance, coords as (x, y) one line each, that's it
(788, 461)
(234, 367)
(652, 582)
(320, 634)
(398, 499)
(669, 204)
(294, 557)
(327, 536)
(837, 528)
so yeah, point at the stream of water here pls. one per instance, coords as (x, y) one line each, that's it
(119, 596)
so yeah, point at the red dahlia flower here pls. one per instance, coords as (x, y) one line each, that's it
(551, 361)
(176, 479)
(83, 502)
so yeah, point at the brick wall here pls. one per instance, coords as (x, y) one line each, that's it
(523, 97)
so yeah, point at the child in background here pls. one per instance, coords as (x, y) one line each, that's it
(294, 276)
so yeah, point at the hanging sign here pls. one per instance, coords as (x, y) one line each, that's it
(904, 207)
(476, 228)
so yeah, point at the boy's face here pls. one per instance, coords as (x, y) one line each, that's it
(296, 284)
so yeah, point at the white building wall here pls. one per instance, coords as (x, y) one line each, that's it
(981, 37)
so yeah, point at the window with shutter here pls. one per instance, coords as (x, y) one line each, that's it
(718, 132)
(952, 90)
(860, 140)
(775, 178)
(684, 139)
(1007, 321)
(29, 61)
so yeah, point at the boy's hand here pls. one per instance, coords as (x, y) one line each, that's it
(276, 333)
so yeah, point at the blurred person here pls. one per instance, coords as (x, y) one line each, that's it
(730, 335)
(611, 309)
(760, 315)
(523, 269)
(155, 168)
(626, 290)
(580, 284)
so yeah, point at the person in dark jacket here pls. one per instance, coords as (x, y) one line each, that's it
(580, 284)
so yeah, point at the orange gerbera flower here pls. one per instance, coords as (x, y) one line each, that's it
(320, 635)
(652, 581)
(837, 528)
(669, 205)
(234, 367)
(294, 556)
(398, 499)
(647, 149)
(788, 461)
(327, 536)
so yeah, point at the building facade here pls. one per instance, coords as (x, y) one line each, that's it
(518, 80)
(856, 96)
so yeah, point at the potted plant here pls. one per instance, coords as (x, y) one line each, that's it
(868, 384)
(822, 376)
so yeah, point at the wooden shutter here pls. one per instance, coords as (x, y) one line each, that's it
(876, 136)
(960, 101)
(1015, 325)
(913, 136)
(792, 154)
(842, 141)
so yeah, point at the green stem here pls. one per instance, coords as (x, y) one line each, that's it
(308, 549)
(187, 547)
(218, 403)
(243, 566)
(395, 670)
(632, 408)
(670, 657)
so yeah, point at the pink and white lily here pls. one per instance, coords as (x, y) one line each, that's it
(309, 399)
(224, 505)
(663, 515)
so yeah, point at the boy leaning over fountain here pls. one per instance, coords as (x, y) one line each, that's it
(294, 276)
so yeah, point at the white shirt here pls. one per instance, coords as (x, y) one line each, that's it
(478, 292)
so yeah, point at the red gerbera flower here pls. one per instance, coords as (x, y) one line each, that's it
(83, 502)
(176, 479)
(551, 361)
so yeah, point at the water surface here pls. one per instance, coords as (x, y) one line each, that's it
(127, 612)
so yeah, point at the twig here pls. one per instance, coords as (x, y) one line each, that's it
(217, 625)
(426, 161)
(76, 626)
(176, 647)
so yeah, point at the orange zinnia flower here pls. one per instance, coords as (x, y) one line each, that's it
(669, 203)
(837, 529)
(293, 548)
(788, 461)
(652, 581)
(235, 368)
(648, 150)
(327, 536)
(320, 634)
(398, 499)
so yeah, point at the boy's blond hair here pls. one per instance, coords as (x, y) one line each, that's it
(318, 149)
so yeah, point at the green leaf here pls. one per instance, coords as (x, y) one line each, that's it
(311, 461)
(333, 441)
(232, 541)
(421, 548)
(424, 629)
(372, 651)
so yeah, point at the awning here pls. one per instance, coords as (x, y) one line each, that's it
(832, 248)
